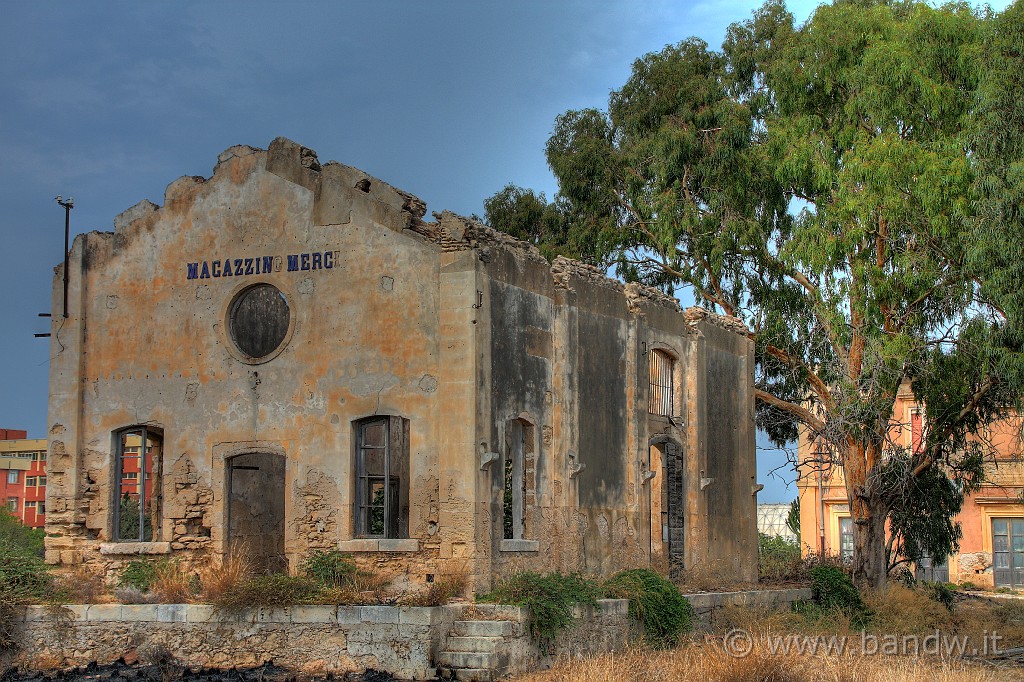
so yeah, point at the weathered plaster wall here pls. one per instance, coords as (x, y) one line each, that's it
(450, 325)
(155, 351)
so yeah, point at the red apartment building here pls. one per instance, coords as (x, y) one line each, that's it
(23, 476)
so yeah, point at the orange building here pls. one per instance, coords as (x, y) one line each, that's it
(992, 547)
(23, 476)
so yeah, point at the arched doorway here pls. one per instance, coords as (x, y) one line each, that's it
(256, 510)
(667, 503)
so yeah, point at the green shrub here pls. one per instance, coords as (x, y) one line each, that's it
(834, 591)
(271, 590)
(140, 574)
(330, 568)
(655, 603)
(550, 597)
(942, 593)
(24, 579)
(778, 558)
(16, 535)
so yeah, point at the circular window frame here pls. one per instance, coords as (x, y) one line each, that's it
(228, 307)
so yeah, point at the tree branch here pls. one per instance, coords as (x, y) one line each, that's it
(798, 411)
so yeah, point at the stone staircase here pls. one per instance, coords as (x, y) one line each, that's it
(476, 651)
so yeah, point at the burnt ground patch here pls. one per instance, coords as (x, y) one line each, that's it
(169, 671)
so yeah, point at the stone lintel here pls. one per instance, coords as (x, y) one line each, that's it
(124, 548)
(379, 545)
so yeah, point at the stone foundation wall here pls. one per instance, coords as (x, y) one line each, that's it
(315, 640)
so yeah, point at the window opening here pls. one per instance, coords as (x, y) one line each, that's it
(382, 478)
(662, 369)
(259, 318)
(136, 514)
(12, 476)
(1008, 552)
(846, 538)
(916, 431)
(519, 470)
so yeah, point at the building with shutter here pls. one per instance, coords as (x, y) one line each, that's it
(991, 550)
(287, 356)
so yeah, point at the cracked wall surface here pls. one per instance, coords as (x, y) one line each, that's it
(447, 324)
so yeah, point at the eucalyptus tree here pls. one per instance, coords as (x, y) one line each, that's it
(818, 183)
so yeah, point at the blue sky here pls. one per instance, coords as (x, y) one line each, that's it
(450, 100)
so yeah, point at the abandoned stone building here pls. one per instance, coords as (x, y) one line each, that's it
(286, 357)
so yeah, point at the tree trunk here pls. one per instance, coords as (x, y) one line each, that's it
(869, 512)
(870, 563)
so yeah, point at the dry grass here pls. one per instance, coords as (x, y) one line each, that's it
(897, 611)
(446, 586)
(175, 583)
(219, 579)
(709, 663)
(80, 586)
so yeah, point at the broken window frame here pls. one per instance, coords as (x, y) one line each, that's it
(147, 522)
(393, 506)
(518, 467)
(662, 369)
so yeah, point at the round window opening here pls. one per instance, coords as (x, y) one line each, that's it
(259, 319)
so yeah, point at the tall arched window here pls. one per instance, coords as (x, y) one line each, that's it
(137, 458)
(662, 386)
(519, 481)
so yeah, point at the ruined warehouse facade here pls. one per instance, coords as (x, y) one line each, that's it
(287, 357)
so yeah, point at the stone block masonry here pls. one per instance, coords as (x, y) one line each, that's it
(406, 642)
(461, 641)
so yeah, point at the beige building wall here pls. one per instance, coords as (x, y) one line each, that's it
(465, 345)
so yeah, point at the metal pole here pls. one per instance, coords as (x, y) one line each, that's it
(68, 205)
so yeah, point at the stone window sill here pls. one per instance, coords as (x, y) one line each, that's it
(520, 546)
(135, 548)
(379, 545)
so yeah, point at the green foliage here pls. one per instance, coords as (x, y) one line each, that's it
(923, 507)
(834, 591)
(528, 216)
(793, 518)
(270, 590)
(655, 603)
(14, 533)
(551, 598)
(778, 558)
(24, 579)
(330, 568)
(942, 593)
(140, 573)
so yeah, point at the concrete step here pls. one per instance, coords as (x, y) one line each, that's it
(469, 659)
(482, 628)
(481, 645)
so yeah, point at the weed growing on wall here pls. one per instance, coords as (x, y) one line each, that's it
(271, 590)
(550, 597)
(330, 568)
(139, 573)
(655, 603)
